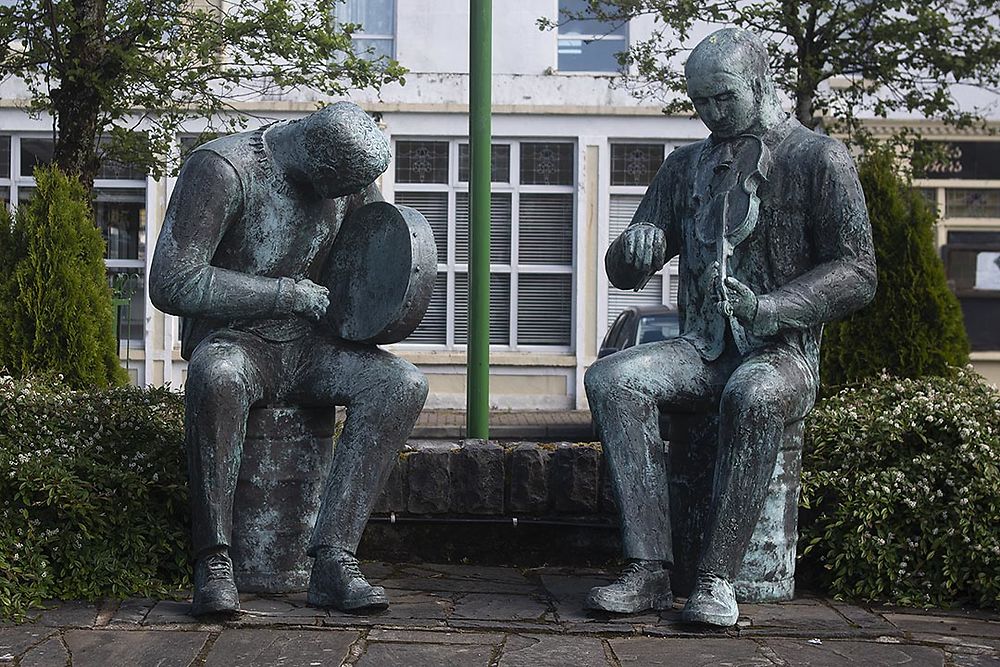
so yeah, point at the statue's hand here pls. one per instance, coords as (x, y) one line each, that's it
(644, 247)
(741, 299)
(311, 300)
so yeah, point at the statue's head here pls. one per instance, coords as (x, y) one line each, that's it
(730, 83)
(342, 149)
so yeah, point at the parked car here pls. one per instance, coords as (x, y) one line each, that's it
(640, 324)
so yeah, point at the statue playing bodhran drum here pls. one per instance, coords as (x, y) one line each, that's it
(288, 269)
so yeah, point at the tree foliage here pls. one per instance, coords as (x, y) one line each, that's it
(134, 70)
(914, 327)
(55, 303)
(832, 58)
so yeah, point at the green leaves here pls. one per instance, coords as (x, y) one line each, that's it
(94, 496)
(900, 488)
(845, 60)
(54, 296)
(152, 65)
(914, 326)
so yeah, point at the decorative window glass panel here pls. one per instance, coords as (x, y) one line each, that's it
(972, 203)
(499, 308)
(499, 163)
(635, 164)
(930, 196)
(35, 153)
(547, 164)
(421, 161)
(546, 229)
(588, 45)
(545, 309)
(500, 223)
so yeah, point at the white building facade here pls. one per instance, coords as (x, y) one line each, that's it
(571, 158)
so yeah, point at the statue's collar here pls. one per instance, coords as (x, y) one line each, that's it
(771, 138)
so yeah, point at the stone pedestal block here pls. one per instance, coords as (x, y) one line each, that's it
(286, 458)
(768, 571)
(477, 478)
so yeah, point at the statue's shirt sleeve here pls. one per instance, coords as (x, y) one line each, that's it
(207, 200)
(842, 274)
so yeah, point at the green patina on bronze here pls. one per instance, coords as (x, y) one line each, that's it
(243, 254)
(770, 225)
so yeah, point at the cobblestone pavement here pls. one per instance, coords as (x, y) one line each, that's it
(468, 615)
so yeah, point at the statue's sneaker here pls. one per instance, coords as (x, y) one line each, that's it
(713, 602)
(214, 588)
(641, 586)
(337, 582)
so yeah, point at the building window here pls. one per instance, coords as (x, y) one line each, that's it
(119, 209)
(633, 166)
(588, 45)
(531, 239)
(972, 261)
(376, 38)
(971, 203)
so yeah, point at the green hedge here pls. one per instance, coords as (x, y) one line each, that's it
(94, 497)
(901, 492)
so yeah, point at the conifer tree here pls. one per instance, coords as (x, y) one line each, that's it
(914, 326)
(56, 303)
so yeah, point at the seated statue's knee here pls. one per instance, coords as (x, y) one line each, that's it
(600, 378)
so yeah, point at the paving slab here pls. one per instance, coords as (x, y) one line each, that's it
(261, 647)
(128, 648)
(945, 625)
(71, 614)
(16, 640)
(808, 618)
(647, 651)
(132, 611)
(50, 653)
(382, 654)
(501, 608)
(431, 637)
(835, 653)
(170, 612)
(975, 660)
(545, 650)
(865, 619)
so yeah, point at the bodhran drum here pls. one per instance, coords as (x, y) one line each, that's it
(380, 273)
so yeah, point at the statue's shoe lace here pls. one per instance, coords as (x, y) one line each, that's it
(713, 602)
(336, 581)
(639, 588)
(214, 588)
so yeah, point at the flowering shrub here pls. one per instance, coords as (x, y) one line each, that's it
(93, 497)
(901, 492)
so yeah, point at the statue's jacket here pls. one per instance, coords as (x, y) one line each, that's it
(809, 259)
(237, 235)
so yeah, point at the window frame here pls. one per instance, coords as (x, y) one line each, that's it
(515, 268)
(362, 35)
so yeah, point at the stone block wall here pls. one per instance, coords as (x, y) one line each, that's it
(477, 478)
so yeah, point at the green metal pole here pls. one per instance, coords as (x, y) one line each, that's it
(480, 79)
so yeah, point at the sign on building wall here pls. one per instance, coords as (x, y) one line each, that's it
(967, 160)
